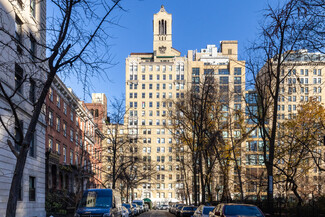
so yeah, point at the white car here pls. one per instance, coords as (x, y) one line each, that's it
(203, 211)
(124, 211)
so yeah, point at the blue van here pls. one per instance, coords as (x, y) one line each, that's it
(100, 202)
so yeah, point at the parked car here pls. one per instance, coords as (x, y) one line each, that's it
(130, 209)
(229, 210)
(178, 210)
(103, 202)
(187, 211)
(203, 211)
(171, 207)
(164, 207)
(175, 208)
(124, 211)
(136, 209)
(140, 203)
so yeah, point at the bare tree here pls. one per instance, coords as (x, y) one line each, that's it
(282, 34)
(72, 49)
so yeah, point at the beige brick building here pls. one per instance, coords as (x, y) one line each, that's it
(152, 79)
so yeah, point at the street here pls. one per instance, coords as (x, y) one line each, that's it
(157, 213)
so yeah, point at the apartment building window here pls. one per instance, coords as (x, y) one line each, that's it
(170, 77)
(58, 124)
(18, 31)
(237, 71)
(157, 68)
(237, 89)
(157, 86)
(131, 104)
(50, 143)
(19, 73)
(131, 86)
(221, 72)
(32, 147)
(71, 115)
(319, 80)
(58, 148)
(150, 122)
(71, 156)
(71, 135)
(150, 68)
(143, 68)
(50, 120)
(150, 86)
(224, 80)
(314, 80)
(164, 77)
(170, 158)
(158, 77)
(32, 188)
(143, 77)
(306, 72)
(301, 72)
(237, 80)
(319, 72)
(32, 48)
(131, 95)
(32, 7)
(64, 154)
(237, 98)
(64, 129)
(32, 90)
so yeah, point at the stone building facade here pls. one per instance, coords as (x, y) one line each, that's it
(24, 20)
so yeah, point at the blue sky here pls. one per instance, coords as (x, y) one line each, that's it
(195, 24)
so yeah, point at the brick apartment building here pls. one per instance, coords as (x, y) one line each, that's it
(73, 143)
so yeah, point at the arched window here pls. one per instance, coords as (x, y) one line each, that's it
(162, 27)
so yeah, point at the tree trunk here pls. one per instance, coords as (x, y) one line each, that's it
(16, 182)
(202, 173)
(195, 191)
(226, 197)
(114, 167)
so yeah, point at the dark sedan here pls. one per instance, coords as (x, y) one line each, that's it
(187, 211)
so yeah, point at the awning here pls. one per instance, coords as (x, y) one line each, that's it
(147, 200)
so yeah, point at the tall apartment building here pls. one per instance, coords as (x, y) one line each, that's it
(152, 79)
(24, 20)
(229, 78)
(302, 76)
(73, 146)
